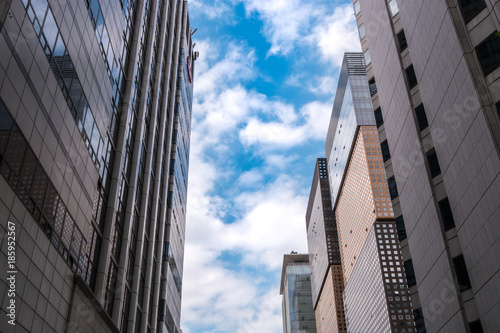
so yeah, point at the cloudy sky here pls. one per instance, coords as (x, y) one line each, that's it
(264, 88)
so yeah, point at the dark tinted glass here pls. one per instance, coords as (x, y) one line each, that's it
(488, 53)
(419, 320)
(402, 41)
(446, 215)
(470, 8)
(410, 273)
(411, 77)
(373, 86)
(461, 272)
(393, 189)
(400, 225)
(378, 117)
(498, 108)
(386, 154)
(421, 117)
(433, 162)
(476, 327)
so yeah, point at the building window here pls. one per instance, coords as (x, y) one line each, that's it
(393, 189)
(386, 154)
(402, 41)
(378, 117)
(357, 8)
(461, 273)
(498, 108)
(410, 273)
(421, 117)
(470, 8)
(419, 320)
(432, 159)
(488, 53)
(362, 32)
(393, 6)
(400, 226)
(446, 215)
(475, 327)
(411, 77)
(373, 86)
(368, 58)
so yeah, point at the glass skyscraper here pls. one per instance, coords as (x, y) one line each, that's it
(354, 205)
(297, 307)
(95, 112)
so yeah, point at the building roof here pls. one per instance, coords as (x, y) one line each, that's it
(288, 260)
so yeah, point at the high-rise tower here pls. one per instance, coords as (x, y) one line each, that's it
(327, 282)
(434, 68)
(297, 307)
(372, 263)
(95, 112)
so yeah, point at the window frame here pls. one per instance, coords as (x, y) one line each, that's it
(483, 59)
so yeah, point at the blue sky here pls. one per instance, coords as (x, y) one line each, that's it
(264, 88)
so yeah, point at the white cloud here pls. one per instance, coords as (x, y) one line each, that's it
(214, 9)
(314, 119)
(250, 178)
(213, 74)
(227, 298)
(324, 85)
(284, 21)
(336, 34)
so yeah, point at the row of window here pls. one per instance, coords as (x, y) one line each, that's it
(62, 66)
(23, 172)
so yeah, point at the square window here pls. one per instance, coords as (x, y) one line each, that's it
(393, 7)
(357, 8)
(411, 77)
(461, 273)
(362, 32)
(470, 8)
(446, 214)
(373, 91)
(433, 162)
(421, 117)
(476, 327)
(368, 58)
(402, 41)
(488, 53)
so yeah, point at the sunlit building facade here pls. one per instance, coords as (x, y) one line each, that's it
(377, 297)
(95, 112)
(297, 307)
(327, 281)
(361, 199)
(434, 73)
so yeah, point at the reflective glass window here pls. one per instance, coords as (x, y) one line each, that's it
(393, 6)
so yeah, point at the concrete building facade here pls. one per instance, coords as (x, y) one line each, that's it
(95, 111)
(435, 70)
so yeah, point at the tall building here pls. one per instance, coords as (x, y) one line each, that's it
(95, 112)
(358, 182)
(361, 202)
(434, 69)
(327, 281)
(377, 299)
(297, 307)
